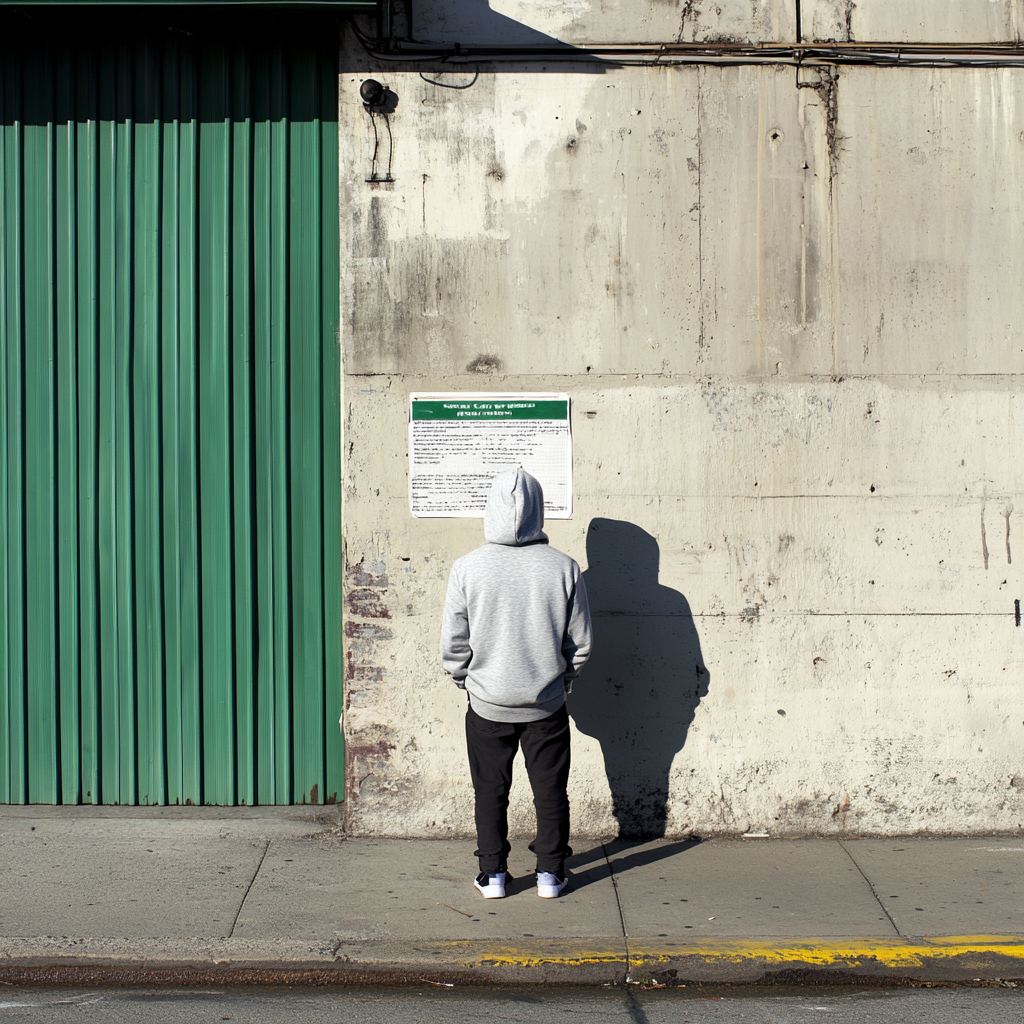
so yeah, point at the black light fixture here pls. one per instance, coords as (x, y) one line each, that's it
(373, 93)
(375, 99)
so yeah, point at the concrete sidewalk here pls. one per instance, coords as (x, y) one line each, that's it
(236, 891)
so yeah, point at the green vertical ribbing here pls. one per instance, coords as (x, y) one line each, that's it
(169, 458)
(263, 530)
(241, 455)
(281, 525)
(66, 250)
(122, 397)
(305, 425)
(146, 407)
(40, 498)
(87, 324)
(215, 431)
(109, 724)
(187, 438)
(13, 779)
(169, 292)
(331, 388)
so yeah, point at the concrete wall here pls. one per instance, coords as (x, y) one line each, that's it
(910, 21)
(787, 308)
(579, 22)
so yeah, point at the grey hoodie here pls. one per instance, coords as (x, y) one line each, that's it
(516, 627)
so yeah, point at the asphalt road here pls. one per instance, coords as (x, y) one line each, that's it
(430, 1005)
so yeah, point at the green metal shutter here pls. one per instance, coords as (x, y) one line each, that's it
(169, 418)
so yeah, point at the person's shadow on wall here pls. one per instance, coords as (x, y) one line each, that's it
(646, 675)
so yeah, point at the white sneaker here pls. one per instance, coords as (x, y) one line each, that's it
(492, 886)
(549, 885)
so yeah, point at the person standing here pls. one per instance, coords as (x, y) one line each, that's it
(515, 633)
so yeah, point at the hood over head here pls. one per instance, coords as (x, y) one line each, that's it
(515, 509)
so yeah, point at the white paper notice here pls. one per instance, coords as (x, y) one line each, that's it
(459, 442)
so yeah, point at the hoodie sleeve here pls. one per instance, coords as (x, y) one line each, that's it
(578, 633)
(456, 652)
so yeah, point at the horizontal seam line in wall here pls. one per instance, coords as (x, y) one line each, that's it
(964, 499)
(702, 378)
(961, 500)
(763, 613)
(968, 498)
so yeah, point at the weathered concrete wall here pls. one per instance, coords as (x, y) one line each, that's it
(577, 22)
(580, 22)
(787, 310)
(913, 21)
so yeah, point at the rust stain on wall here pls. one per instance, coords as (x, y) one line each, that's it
(367, 604)
(359, 577)
(373, 749)
(369, 762)
(366, 631)
(361, 673)
(367, 750)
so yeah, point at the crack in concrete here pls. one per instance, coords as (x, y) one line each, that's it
(689, 8)
(248, 889)
(846, 850)
(618, 906)
(701, 340)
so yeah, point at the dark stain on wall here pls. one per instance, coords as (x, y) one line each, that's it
(825, 82)
(369, 762)
(361, 673)
(366, 631)
(372, 749)
(484, 364)
(357, 576)
(366, 751)
(366, 604)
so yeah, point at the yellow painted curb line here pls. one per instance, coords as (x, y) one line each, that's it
(888, 953)
(476, 953)
(831, 952)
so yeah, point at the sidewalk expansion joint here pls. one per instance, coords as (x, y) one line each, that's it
(845, 849)
(248, 889)
(618, 906)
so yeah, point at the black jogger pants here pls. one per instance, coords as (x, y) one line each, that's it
(492, 747)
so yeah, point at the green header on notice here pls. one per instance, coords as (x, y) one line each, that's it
(503, 409)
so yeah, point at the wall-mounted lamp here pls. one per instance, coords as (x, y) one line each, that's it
(378, 100)
(373, 93)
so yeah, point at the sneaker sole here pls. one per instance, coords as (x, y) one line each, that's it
(489, 892)
(492, 892)
(550, 892)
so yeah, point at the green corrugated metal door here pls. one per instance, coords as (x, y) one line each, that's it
(169, 417)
